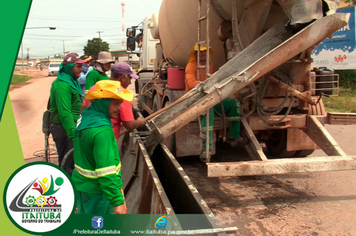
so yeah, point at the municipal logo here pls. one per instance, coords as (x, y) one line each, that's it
(97, 222)
(161, 222)
(39, 197)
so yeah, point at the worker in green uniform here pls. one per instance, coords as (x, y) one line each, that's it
(101, 66)
(66, 101)
(97, 173)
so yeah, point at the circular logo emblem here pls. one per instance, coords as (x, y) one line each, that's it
(39, 197)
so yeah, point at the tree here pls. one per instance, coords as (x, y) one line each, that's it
(93, 47)
(58, 56)
(350, 1)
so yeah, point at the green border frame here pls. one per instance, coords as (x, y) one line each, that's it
(14, 15)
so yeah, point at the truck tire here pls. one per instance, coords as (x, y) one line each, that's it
(155, 104)
(303, 153)
(277, 145)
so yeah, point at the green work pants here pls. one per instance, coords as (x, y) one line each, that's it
(232, 110)
(93, 204)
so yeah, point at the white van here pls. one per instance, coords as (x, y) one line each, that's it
(53, 68)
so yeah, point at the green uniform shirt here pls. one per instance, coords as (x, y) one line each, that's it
(97, 163)
(68, 102)
(92, 77)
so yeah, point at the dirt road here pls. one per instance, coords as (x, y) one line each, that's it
(29, 101)
(322, 203)
(319, 203)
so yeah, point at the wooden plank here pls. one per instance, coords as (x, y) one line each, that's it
(341, 118)
(253, 148)
(281, 166)
(316, 131)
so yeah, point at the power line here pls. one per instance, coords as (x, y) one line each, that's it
(78, 19)
(44, 35)
(47, 39)
(88, 29)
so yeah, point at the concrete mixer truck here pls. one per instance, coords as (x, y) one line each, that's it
(262, 59)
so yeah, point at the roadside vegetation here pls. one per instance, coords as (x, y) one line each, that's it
(346, 101)
(19, 79)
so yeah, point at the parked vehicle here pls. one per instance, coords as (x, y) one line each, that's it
(53, 68)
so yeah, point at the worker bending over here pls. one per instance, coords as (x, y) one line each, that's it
(97, 173)
(122, 72)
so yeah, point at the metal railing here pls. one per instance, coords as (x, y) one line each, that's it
(329, 87)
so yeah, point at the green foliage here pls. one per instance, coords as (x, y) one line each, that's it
(345, 102)
(347, 78)
(58, 56)
(93, 47)
(18, 79)
(350, 1)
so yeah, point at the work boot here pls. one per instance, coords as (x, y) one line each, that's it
(204, 158)
(238, 142)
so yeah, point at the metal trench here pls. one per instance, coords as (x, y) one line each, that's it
(159, 185)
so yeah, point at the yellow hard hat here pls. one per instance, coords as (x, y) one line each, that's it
(203, 47)
(109, 89)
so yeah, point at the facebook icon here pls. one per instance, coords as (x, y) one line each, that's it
(97, 222)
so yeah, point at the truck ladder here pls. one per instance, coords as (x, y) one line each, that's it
(201, 41)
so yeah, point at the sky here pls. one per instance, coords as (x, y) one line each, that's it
(79, 20)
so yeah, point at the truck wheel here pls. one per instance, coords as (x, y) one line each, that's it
(303, 153)
(277, 145)
(155, 105)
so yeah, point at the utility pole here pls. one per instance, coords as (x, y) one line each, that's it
(51, 28)
(22, 55)
(99, 38)
(64, 50)
(28, 54)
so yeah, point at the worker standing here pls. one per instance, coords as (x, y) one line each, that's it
(101, 66)
(83, 75)
(66, 101)
(231, 106)
(97, 174)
